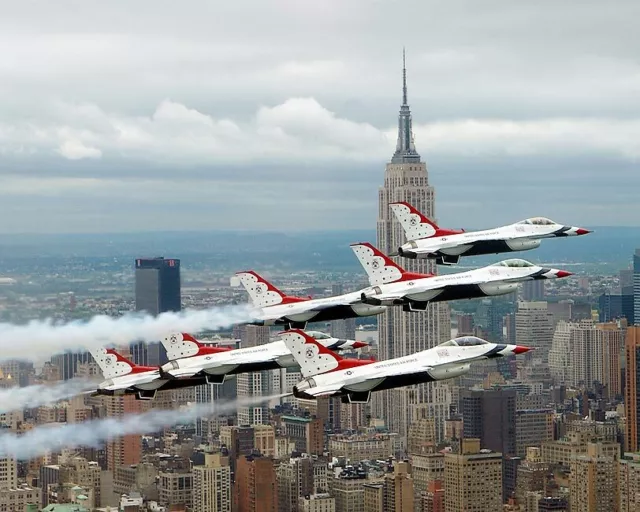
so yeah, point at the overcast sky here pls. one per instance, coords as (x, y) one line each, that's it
(127, 115)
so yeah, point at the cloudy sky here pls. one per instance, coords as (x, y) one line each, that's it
(154, 114)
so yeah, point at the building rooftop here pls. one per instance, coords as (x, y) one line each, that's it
(65, 507)
(296, 418)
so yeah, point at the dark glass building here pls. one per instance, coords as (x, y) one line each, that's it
(68, 363)
(491, 417)
(612, 307)
(157, 285)
(157, 291)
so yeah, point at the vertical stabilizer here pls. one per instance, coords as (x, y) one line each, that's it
(113, 364)
(181, 344)
(262, 292)
(379, 267)
(311, 356)
(414, 224)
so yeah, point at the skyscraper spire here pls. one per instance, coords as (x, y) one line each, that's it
(404, 78)
(405, 149)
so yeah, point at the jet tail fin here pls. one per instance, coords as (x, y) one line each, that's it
(380, 268)
(313, 357)
(416, 225)
(181, 344)
(113, 364)
(262, 292)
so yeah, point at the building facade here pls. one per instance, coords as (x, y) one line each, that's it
(157, 291)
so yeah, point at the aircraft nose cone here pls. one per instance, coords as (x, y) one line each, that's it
(563, 273)
(520, 349)
(582, 231)
(360, 344)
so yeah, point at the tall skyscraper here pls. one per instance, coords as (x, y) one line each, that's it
(8, 474)
(632, 376)
(402, 333)
(124, 450)
(157, 291)
(251, 384)
(533, 290)
(629, 482)
(68, 363)
(534, 327)
(636, 287)
(612, 307)
(256, 489)
(593, 484)
(473, 479)
(212, 485)
(490, 416)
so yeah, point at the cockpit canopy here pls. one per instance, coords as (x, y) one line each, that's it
(538, 221)
(514, 263)
(317, 335)
(464, 341)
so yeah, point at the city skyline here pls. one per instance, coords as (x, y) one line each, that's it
(184, 182)
(172, 125)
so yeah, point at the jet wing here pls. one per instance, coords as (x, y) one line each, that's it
(226, 364)
(323, 390)
(332, 303)
(392, 370)
(389, 370)
(127, 383)
(382, 299)
(489, 237)
(302, 307)
(322, 307)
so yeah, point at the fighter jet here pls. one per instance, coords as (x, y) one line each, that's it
(328, 374)
(124, 377)
(392, 285)
(426, 240)
(273, 307)
(190, 358)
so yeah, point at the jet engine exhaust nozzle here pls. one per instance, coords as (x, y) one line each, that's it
(301, 394)
(407, 254)
(370, 300)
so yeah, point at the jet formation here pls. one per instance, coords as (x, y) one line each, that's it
(314, 353)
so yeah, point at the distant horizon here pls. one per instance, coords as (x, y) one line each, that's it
(258, 231)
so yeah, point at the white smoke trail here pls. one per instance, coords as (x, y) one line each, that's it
(43, 440)
(34, 396)
(39, 340)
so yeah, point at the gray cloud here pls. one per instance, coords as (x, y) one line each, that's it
(154, 114)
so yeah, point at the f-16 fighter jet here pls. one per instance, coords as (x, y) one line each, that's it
(446, 246)
(328, 374)
(190, 358)
(124, 377)
(392, 285)
(273, 307)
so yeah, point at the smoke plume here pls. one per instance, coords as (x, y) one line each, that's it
(39, 340)
(46, 439)
(34, 396)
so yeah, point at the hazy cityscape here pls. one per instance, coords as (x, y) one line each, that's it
(135, 232)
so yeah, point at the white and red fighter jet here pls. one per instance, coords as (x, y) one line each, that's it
(328, 374)
(392, 285)
(426, 240)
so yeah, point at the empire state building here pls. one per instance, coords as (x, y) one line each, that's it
(403, 333)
